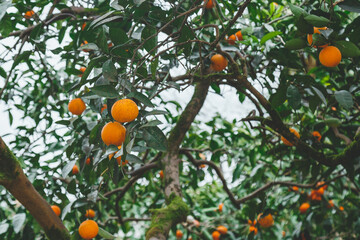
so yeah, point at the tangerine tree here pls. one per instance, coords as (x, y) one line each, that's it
(110, 132)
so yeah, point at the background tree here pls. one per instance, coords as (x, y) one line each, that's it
(292, 164)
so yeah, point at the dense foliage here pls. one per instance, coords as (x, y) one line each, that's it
(143, 50)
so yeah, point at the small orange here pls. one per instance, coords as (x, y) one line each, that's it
(295, 188)
(253, 229)
(265, 221)
(84, 43)
(317, 135)
(190, 238)
(286, 142)
(304, 207)
(216, 235)
(231, 40)
(88, 229)
(252, 223)
(75, 170)
(113, 133)
(316, 31)
(333, 108)
(218, 62)
(76, 106)
(221, 205)
(56, 210)
(88, 161)
(341, 208)
(239, 36)
(196, 223)
(90, 213)
(110, 45)
(104, 106)
(161, 174)
(283, 233)
(29, 14)
(321, 183)
(83, 26)
(330, 56)
(179, 234)
(330, 204)
(209, 4)
(82, 69)
(222, 229)
(202, 166)
(124, 110)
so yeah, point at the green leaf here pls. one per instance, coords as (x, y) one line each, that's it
(63, 122)
(294, 97)
(348, 5)
(269, 36)
(317, 21)
(94, 133)
(3, 73)
(101, 41)
(297, 11)
(133, 159)
(108, 91)
(319, 94)
(109, 71)
(147, 32)
(303, 26)
(99, 19)
(347, 49)
(344, 98)
(155, 112)
(155, 138)
(18, 221)
(295, 44)
(4, 5)
(151, 123)
(141, 97)
(67, 169)
(104, 234)
(89, 46)
(332, 122)
(23, 56)
(118, 36)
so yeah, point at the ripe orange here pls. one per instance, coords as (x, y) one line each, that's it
(333, 108)
(88, 229)
(216, 235)
(295, 188)
(162, 175)
(253, 229)
(221, 205)
(90, 213)
(196, 223)
(75, 170)
(231, 40)
(252, 223)
(110, 45)
(265, 221)
(304, 207)
(283, 233)
(330, 204)
(29, 14)
(317, 135)
(202, 166)
(341, 208)
(330, 56)
(222, 229)
(83, 26)
(104, 106)
(239, 36)
(113, 133)
(286, 142)
(179, 234)
(82, 69)
(76, 106)
(88, 161)
(124, 110)
(56, 210)
(218, 62)
(316, 31)
(209, 4)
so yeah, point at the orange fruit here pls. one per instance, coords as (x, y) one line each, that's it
(110, 45)
(333, 108)
(222, 229)
(76, 106)
(29, 14)
(104, 106)
(221, 205)
(216, 235)
(113, 133)
(253, 229)
(295, 188)
(283, 233)
(239, 36)
(90, 213)
(84, 43)
(196, 223)
(321, 183)
(304, 207)
(161, 174)
(265, 221)
(316, 31)
(218, 62)
(341, 208)
(179, 234)
(88, 161)
(252, 223)
(88, 229)
(330, 56)
(209, 4)
(330, 204)
(56, 210)
(190, 238)
(202, 166)
(82, 69)
(231, 40)
(317, 135)
(83, 26)
(286, 142)
(124, 110)
(75, 170)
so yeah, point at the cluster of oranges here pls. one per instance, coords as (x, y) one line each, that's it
(265, 221)
(315, 134)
